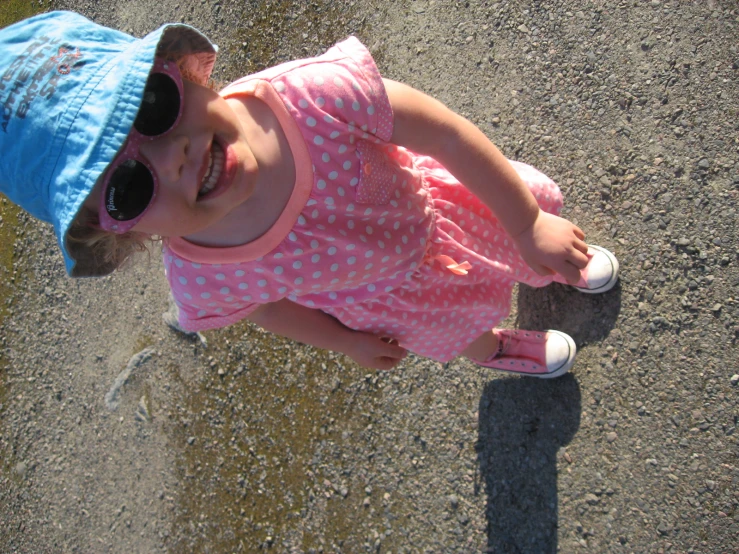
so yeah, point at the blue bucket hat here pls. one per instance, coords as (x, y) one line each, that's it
(70, 90)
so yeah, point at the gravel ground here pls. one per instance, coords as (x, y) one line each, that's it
(240, 441)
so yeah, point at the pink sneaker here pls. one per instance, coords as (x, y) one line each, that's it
(600, 275)
(543, 354)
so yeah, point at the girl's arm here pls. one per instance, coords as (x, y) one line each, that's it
(549, 244)
(319, 329)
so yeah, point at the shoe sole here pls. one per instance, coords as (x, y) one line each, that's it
(614, 274)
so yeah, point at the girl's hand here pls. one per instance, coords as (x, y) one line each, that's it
(371, 351)
(554, 245)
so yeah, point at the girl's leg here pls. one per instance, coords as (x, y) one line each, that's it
(482, 347)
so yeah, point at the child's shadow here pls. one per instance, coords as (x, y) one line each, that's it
(585, 317)
(523, 423)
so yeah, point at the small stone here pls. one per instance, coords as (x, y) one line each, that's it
(524, 29)
(735, 379)
(454, 501)
(591, 499)
(20, 469)
(664, 528)
(611, 437)
(704, 164)
(191, 441)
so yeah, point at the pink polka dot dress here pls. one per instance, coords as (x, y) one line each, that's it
(386, 241)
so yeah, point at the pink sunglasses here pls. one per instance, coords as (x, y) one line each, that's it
(130, 183)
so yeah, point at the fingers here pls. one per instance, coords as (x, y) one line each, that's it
(571, 273)
(579, 259)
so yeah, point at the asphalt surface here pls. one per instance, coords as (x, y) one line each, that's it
(240, 442)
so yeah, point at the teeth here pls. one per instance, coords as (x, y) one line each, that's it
(215, 166)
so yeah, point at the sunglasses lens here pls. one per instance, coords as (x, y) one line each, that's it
(130, 190)
(159, 107)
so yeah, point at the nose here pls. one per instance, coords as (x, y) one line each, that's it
(168, 155)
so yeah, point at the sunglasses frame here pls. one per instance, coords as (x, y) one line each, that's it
(130, 151)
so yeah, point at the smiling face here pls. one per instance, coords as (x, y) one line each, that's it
(204, 165)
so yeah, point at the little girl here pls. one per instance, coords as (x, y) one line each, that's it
(315, 198)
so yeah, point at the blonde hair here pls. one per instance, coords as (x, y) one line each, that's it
(100, 252)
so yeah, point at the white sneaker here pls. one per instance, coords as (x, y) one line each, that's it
(601, 273)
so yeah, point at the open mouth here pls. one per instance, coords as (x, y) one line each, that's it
(216, 159)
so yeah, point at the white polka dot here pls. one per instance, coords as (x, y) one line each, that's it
(195, 265)
(303, 103)
(334, 267)
(355, 106)
(280, 86)
(243, 286)
(225, 290)
(347, 165)
(264, 296)
(200, 280)
(178, 262)
(205, 295)
(325, 157)
(318, 140)
(279, 269)
(298, 281)
(201, 313)
(318, 80)
(334, 134)
(329, 201)
(316, 274)
(314, 258)
(262, 282)
(246, 298)
(298, 264)
(339, 103)
(351, 260)
(321, 184)
(239, 273)
(320, 101)
(370, 110)
(297, 252)
(183, 281)
(338, 82)
(342, 148)
(333, 175)
(310, 122)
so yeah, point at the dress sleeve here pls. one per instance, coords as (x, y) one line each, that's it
(210, 296)
(343, 86)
